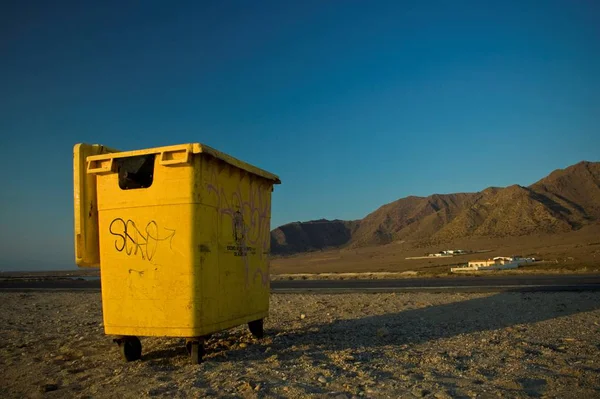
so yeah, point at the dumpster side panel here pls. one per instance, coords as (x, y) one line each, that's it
(242, 202)
(147, 266)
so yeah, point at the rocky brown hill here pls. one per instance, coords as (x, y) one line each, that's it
(310, 236)
(565, 200)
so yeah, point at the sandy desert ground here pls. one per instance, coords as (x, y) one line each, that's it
(578, 250)
(346, 345)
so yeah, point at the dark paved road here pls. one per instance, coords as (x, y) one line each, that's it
(464, 284)
(577, 282)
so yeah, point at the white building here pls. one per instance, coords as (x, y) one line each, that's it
(453, 252)
(496, 263)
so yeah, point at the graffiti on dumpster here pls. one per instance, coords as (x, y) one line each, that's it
(249, 211)
(133, 241)
(240, 250)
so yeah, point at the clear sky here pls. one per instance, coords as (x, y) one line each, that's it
(353, 103)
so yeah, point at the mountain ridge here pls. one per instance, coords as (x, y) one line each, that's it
(564, 200)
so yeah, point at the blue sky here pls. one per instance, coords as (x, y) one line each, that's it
(353, 103)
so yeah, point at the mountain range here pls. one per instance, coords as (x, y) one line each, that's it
(565, 200)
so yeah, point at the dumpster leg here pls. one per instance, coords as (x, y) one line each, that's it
(131, 347)
(195, 348)
(257, 328)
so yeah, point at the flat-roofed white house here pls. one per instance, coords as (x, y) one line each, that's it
(498, 260)
(497, 263)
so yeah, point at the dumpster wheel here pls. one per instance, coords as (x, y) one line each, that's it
(131, 348)
(256, 328)
(195, 348)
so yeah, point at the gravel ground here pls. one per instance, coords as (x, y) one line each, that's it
(400, 345)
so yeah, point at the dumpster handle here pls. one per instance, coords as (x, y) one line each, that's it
(100, 166)
(175, 157)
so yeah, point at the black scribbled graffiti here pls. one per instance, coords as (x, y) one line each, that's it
(133, 241)
(239, 230)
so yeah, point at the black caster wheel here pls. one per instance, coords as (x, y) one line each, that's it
(195, 349)
(257, 328)
(131, 348)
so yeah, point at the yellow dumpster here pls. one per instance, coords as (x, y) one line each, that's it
(182, 237)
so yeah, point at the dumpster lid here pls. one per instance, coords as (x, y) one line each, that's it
(85, 206)
(191, 148)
